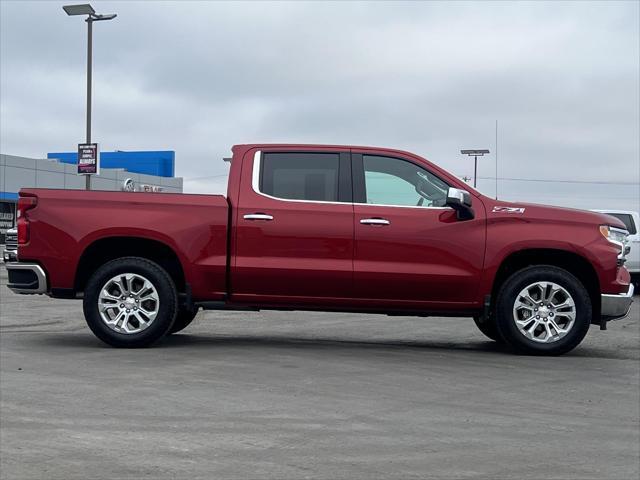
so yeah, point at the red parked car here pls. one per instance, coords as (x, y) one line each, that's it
(336, 228)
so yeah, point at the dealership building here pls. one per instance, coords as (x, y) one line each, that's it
(119, 171)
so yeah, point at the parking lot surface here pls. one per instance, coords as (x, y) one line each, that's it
(310, 395)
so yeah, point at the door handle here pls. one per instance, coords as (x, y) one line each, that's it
(375, 221)
(258, 216)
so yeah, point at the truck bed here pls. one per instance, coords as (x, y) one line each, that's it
(65, 224)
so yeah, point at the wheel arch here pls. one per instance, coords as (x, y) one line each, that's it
(570, 261)
(104, 249)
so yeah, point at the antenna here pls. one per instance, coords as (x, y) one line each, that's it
(496, 159)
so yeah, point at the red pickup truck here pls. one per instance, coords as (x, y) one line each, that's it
(334, 228)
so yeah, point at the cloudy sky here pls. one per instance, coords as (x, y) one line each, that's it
(561, 79)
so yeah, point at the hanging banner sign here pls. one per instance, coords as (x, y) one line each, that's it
(88, 159)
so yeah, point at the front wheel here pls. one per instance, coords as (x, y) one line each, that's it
(130, 302)
(543, 310)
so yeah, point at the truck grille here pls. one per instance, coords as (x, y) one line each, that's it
(10, 253)
(11, 240)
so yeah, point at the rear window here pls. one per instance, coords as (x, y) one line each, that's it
(627, 219)
(300, 176)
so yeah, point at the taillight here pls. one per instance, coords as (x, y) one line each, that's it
(24, 204)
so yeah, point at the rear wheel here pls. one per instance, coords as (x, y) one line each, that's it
(543, 310)
(130, 302)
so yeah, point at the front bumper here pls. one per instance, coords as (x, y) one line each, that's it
(617, 306)
(26, 278)
(10, 256)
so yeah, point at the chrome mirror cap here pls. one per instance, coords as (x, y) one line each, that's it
(460, 201)
(458, 196)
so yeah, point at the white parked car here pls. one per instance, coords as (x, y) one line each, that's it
(632, 221)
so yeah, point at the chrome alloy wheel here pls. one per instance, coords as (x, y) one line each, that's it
(128, 303)
(544, 312)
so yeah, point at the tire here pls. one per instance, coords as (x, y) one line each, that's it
(546, 323)
(183, 320)
(489, 329)
(137, 286)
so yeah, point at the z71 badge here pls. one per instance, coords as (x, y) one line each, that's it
(508, 210)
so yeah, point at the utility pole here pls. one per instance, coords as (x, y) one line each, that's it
(475, 154)
(92, 16)
(87, 178)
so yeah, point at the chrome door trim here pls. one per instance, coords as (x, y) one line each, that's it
(401, 206)
(375, 221)
(258, 216)
(255, 185)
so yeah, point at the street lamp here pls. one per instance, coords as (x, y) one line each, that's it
(92, 16)
(475, 154)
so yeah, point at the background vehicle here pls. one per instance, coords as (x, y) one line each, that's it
(631, 221)
(333, 228)
(10, 253)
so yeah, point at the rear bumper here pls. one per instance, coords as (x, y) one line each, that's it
(617, 306)
(26, 278)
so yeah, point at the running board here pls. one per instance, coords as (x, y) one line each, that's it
(221, 305)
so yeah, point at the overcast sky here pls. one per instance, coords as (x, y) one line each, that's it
(562, 79)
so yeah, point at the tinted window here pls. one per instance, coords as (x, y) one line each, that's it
(627, 220)
(391, 181)
(300, 176)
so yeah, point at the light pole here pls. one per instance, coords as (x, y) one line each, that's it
(92, 16)
(475, 154)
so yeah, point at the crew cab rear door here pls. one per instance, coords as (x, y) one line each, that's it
(410, 249)
(294, 234)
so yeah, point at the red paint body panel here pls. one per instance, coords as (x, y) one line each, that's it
(556, 228)
(425, 258)
(303, 256)
(66, 222)
(318, 254)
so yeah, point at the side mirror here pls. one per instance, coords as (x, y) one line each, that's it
(460, 201)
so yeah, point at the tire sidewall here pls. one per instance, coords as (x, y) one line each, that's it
(183, 320)
(513, 286)
(166, 292)
(489, 329)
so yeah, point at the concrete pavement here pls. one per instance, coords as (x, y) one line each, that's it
(310, 395)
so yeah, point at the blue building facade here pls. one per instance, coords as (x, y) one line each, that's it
(160, 163)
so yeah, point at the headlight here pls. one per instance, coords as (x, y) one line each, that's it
(618, 237)
(614, 235)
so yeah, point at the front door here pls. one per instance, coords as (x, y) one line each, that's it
(409, 247)
(294, 228)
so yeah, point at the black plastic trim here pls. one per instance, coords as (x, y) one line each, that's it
(345, 193)
(357, 175)
(66, 293)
